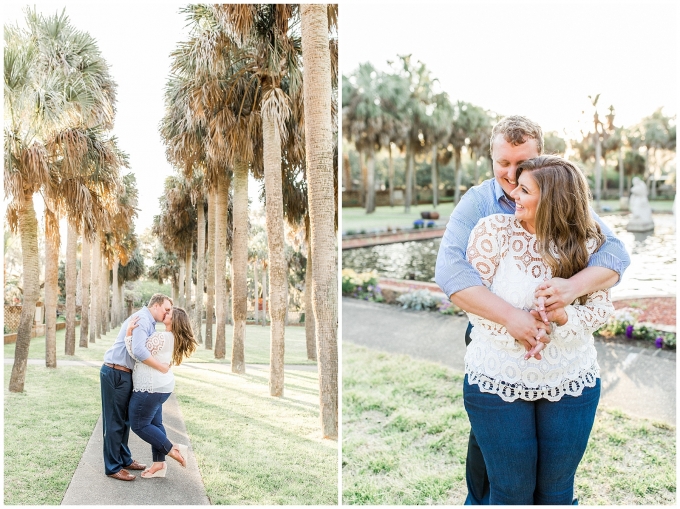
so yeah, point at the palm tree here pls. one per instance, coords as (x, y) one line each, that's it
(41, 64)
(319, 154)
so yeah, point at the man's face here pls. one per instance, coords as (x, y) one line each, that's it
(158, 311)
(506, 157)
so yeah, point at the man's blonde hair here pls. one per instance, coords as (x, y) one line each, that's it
(158, 298)
(517, 130)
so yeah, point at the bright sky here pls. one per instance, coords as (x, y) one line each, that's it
(538, 59)
(136, 39)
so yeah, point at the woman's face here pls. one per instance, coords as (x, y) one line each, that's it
(526, 196)
(168, 320)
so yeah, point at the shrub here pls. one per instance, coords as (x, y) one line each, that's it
(418, 300)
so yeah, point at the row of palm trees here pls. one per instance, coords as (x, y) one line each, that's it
(404, 109)
(59, 110)
(237, 103)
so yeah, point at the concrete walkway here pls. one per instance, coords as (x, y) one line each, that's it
(639, 381)
(181, 486)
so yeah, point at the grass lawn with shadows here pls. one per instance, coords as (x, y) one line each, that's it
(256, 346)
(405, 434)
(255, 449)
(46, 430)
(251, 448)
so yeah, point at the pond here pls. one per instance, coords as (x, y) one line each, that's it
(652, 270)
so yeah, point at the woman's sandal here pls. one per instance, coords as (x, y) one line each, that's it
(158, 473)
(183, 451)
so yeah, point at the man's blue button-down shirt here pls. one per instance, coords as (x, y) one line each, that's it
(118, 354)
(454, 273)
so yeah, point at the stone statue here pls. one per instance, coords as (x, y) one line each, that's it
(640, 211)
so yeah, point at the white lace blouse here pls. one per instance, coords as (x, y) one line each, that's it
(506, 257)
(147, 379)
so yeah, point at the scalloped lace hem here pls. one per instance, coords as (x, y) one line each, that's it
(510, 392)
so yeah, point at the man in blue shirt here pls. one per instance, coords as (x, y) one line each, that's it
(116, 386)
(513, 140)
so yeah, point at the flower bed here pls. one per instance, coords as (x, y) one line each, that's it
(626, 323)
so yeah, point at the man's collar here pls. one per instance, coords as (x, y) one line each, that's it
(146, 308)
(499, 193)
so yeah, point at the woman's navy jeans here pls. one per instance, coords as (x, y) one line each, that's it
(531, 448)
(146, 420)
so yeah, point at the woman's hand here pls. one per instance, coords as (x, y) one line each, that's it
(557, 292)
(164, 367)
(132, 324)
(525, 328)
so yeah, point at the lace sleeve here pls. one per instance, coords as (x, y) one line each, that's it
(584, 319)
(155, 342)
(484, 247)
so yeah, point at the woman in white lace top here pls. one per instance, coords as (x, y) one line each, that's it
(151, 388)
(532, 412)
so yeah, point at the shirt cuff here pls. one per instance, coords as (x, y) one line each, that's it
(607, 261)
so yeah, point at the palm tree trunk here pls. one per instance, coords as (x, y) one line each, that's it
(105, 307)
(363, 173)
(256, 313)
(221, 204)
(210, 273)
(71, 279)
(319, 150)
(175, 289)
(182, 281)
(115, 303)
(188, 254)
(85, 276)
(278, 283)
(309, 312)
(200, 269)
(239, 262)
(391, 175)
(346, 173)
(370, 181)
(459, 177)
(435, 184)
(28, 228)
(51, 287)
(264, 294)
(95, 330)
(409, 175)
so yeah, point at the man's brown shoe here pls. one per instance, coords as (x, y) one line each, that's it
(136, 466)
(123, 475)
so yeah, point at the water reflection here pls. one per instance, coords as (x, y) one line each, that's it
(652, 270)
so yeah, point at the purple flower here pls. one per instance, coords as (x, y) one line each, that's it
(629, 332)
(659, 342)
(358, 288)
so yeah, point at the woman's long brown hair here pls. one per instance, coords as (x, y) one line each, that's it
(185, 342)
(563, 220)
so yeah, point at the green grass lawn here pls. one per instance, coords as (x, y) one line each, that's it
(46, 430)
(405, 433)
(355, 218)
(251, 448)
(256, 346)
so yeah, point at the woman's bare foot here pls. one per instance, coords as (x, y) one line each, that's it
(176, 454)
